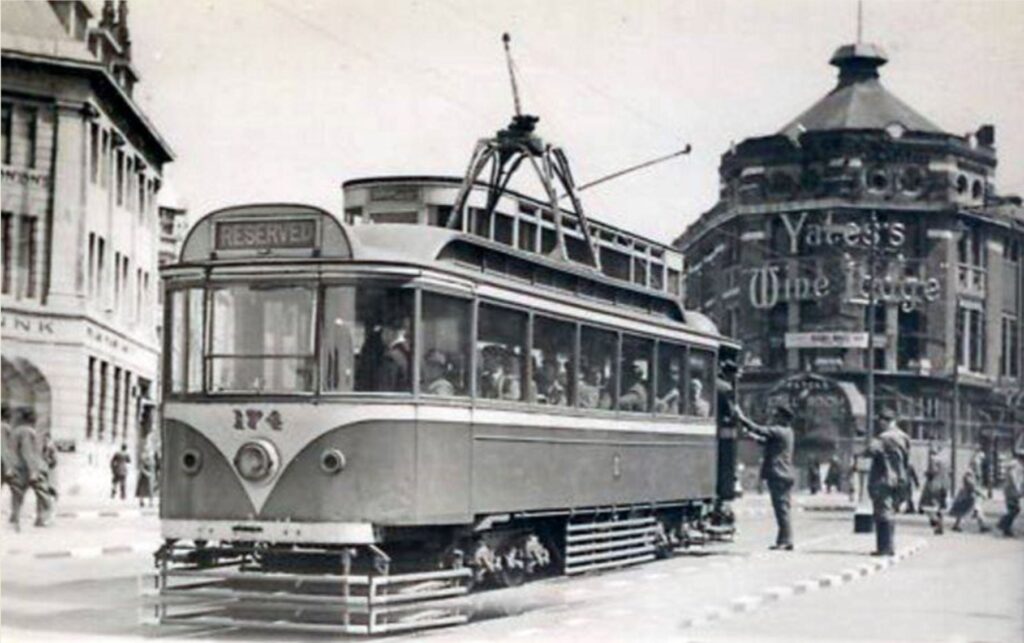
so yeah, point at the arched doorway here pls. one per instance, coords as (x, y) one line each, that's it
(24, 385)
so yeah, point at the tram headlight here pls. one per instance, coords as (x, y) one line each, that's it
(256, 460)
(191, 461)
(332, 461)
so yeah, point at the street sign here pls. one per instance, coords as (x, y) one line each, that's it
(839, 339)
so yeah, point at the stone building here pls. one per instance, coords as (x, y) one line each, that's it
(82, 166)
(858, 214)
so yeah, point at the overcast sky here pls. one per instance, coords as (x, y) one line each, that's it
(285, 99)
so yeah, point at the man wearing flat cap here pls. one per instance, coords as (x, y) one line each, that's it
(890, 461)
(776, 465)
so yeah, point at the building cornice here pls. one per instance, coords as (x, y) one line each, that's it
(98, 71)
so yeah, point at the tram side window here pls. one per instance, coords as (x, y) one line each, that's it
(635, 388)
(262, 338)
(554, 366)
(501, 353)
(670, 398)
(367, 339)
(599, 350)
(701, 382)
(445, 336)
(186, 341)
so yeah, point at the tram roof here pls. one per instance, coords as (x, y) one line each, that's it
(455, 182)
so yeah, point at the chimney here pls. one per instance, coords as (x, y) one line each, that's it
(107, 18)
(987, 135)
(121, 32)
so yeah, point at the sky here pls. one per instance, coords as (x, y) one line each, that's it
(282, 100)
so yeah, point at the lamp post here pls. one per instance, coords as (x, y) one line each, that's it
(863, 521)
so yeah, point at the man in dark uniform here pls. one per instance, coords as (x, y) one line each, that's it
(890, 459)
(776, 465)
(395, 375)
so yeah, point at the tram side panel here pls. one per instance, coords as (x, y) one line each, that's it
(519, 468)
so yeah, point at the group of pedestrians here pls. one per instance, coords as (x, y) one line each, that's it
(29, 463)
(890, 479)
(146, 478)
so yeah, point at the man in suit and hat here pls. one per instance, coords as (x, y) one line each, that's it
(890, 460)
(776, 466)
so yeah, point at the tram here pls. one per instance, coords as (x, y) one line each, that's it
(454, 384)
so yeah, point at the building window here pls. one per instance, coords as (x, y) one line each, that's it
(6, 240)
(141, 181)
(970, 340)
(138, 294)
(27, 256)
(1009, 363)
(7, 115)
(90, 399)
(105, 159)
(94, 152)
(117, 404)
(90, 286)
(31, 135)
(102, 410)
(101, 248)
(126, 414)
(119, 169)
(124, 285)
(117, 280)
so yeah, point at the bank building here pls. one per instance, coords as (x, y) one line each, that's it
(863, 215)
(82, 167)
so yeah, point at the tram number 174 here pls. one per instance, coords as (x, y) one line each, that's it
(250, 419)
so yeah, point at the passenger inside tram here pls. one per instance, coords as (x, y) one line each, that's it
(698, 401)
(669, 383)
(435, 374)
(634, 396)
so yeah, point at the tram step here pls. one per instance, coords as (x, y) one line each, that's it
(608, 535)
(633, 560)
(609, 555)
(646, 539)
(609, 524)
(313, 628)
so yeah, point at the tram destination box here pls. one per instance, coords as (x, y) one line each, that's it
(265, 234)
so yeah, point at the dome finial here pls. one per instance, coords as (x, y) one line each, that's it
(858, 62)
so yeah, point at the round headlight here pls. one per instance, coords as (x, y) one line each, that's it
(256, 461)
(191, 461)
(332, 461)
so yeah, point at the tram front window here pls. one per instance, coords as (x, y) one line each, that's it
(367, 339)
(262, 338)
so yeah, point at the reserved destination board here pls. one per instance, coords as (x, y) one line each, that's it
(266, 234)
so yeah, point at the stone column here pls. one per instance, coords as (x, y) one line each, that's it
(67, 260)
(994, 306)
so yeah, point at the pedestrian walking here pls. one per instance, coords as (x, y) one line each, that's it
(814, 476)
(119, 471)
(834, 475)
(776, 466)
(7, 455)
(28, 470)
(968, 503)
(934, 495)
(890, 456)
(50, 458)
(906, 503)
(144, 480)
(1013, 490)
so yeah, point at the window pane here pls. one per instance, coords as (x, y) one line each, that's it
(553, 364)
(446, 337)
(670, 379)
(262, 338)
(598, 358)
(178, 338)
(635, 389)
(501, 353)
(701, 381)
(367, 340)
(194, 345)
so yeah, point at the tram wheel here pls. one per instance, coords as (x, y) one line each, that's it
(513, 570)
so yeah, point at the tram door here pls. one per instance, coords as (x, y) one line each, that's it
(728, 434)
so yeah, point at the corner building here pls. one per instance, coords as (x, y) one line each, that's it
(81, 169)
(862, 214)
